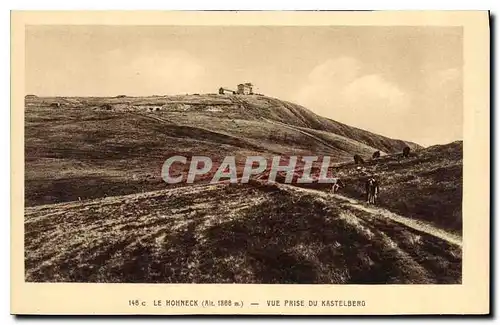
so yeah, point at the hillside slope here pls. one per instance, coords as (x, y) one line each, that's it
(95, 147)
(297, 115)
(241, 233)
(426, 186)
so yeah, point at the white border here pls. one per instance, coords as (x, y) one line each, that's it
(183, 5)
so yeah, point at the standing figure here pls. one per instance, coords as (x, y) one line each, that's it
(406, 152)
(372, 190)
(358, 160)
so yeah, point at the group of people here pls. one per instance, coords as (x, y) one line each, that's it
(371, 188)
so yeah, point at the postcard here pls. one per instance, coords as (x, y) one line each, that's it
(250, 162)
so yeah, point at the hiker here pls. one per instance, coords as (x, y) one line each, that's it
(358, 160)
(372, 190)
(406, 152)
(337, 184)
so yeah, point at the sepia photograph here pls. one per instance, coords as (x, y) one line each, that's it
(244, 154)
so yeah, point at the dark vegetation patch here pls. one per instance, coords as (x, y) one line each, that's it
(84, 188)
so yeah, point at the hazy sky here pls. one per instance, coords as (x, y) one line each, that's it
(402, 82)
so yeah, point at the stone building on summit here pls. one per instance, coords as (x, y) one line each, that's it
(243, 89)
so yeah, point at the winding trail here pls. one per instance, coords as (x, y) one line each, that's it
(378, 212)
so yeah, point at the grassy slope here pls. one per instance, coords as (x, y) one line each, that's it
(229, 233)
(80, 152)
(426, 186)
(297, 115)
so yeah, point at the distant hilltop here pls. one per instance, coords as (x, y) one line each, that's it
(251, 107)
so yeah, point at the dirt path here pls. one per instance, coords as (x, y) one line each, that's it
(380, 212)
